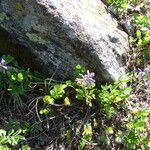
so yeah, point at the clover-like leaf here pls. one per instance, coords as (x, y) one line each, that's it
(48, 99)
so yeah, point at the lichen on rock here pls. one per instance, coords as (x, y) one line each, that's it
(35, 38)
(64, 33)
(3, 16)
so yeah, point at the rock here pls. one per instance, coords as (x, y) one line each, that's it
(61, 34)
(9, 46)
(128, 26)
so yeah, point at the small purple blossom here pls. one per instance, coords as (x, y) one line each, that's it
(86, 79)
(3, 64)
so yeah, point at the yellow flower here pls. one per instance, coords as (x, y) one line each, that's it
(66, 101)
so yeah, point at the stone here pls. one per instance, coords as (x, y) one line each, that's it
(61, 34)
(23, 55)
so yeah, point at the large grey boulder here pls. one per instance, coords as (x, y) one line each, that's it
(64, 33)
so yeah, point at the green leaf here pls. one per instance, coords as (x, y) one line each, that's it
(14, 89)
(4, 147)
(45, 111)
(140, 42)
(148, 144)
(138, 34)
(20, 77)
(2, 132)
(118, 99)
(130, 125)
(13, 77)
(48, 99)
(124, 4)
(8, 58)
(132, 40)
(127, 91)
(87, 129)
(25, 147)
(58, 91)
(78, 67)
(80, 94)
(109, 130)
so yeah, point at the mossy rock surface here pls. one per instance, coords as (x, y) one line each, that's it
(61, 34)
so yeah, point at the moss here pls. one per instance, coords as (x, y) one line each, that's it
(39, 28)
(17, 14)
(18, 10)
(18, 6)
(35, 38)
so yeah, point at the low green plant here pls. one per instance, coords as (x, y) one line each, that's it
(19, 81)
(142, 21)
(86, 138)
(84, 87)
(24, 126)
(105, 100)
(12, 78)
(111, 95)
(141, 24)
(137, 2)
(9, 139)
(142, 38)
(55, 94)
(120, 4)
(137, 130)
(141, 41)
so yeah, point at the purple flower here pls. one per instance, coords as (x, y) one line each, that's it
(3, 64)
(86, 79)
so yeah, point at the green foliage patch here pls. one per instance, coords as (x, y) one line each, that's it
(106, 101)
(103, 119)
